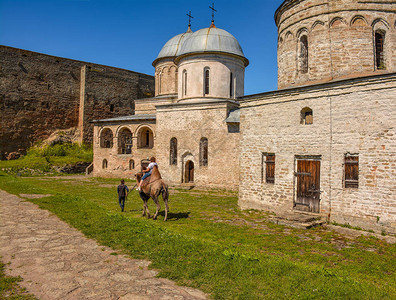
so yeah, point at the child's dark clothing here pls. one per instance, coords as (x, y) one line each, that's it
(122, 191)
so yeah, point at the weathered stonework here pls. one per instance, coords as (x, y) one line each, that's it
(118, 164)
(352, 116)
(189, 123)
(165, 77)
(340, 38)
(41, 93)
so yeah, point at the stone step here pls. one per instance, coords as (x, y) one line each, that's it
(298, 220)
(185, 186)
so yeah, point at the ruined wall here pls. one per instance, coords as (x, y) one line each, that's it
(41, 93)
(352, 116)
(188, 123)
(340, 39)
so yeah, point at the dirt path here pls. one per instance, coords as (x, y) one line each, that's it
(58, 262)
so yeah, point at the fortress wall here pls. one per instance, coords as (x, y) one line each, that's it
(40, 94)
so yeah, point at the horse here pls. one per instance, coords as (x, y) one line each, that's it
(155, 187)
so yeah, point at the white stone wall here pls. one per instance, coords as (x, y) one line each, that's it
(188, 123)
(147, 105)
(355, 116)
(220, 67)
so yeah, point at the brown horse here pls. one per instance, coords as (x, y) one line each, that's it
(155, 187)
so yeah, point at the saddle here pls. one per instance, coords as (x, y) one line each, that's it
(155, 175)
(145, 182)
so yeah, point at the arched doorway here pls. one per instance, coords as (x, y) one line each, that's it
(145, 138)
(189, 172)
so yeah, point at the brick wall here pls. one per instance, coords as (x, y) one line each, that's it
(41, 93)
(351, 116)
(340, 37)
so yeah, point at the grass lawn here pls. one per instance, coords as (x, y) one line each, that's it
(208, 243)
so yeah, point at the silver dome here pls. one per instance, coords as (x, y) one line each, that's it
(173, 46)
(212, 39)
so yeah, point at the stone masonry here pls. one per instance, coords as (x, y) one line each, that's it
(41, 93)
(340, 38)
(189, 123)
(350, 116)
(121, 164)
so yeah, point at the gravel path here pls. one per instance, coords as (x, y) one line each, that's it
(59, 262)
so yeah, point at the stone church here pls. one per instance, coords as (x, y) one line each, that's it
(323, 144)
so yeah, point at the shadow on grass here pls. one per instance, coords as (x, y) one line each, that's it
(175, 216)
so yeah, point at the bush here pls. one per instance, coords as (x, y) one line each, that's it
(56, 150)
(41, 159)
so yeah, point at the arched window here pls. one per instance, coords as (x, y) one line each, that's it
(106, 138)
(173, 152)
(104, 164)
(184, 83)
(160, 83)
(231, 85)
(303, 54)
(131, 164)
(206, 81)
(125, 141)
(145, 138)
(306, 116)
(379, 50)
(203, 152)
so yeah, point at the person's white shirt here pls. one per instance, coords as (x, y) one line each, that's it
(151, 165)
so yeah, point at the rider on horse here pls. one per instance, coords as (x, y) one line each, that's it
(147, 171)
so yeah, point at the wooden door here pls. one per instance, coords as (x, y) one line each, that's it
(189, 172)
(308, 185)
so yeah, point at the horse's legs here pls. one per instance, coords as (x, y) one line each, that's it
(145, 209)
(166, 209)
(165, 198)
(148, 213)
(155, 198)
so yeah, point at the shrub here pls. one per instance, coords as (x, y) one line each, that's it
(41, 159)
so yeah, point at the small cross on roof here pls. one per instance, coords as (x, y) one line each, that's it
(213, 11)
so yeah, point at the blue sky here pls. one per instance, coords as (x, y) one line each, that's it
(129, 34)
